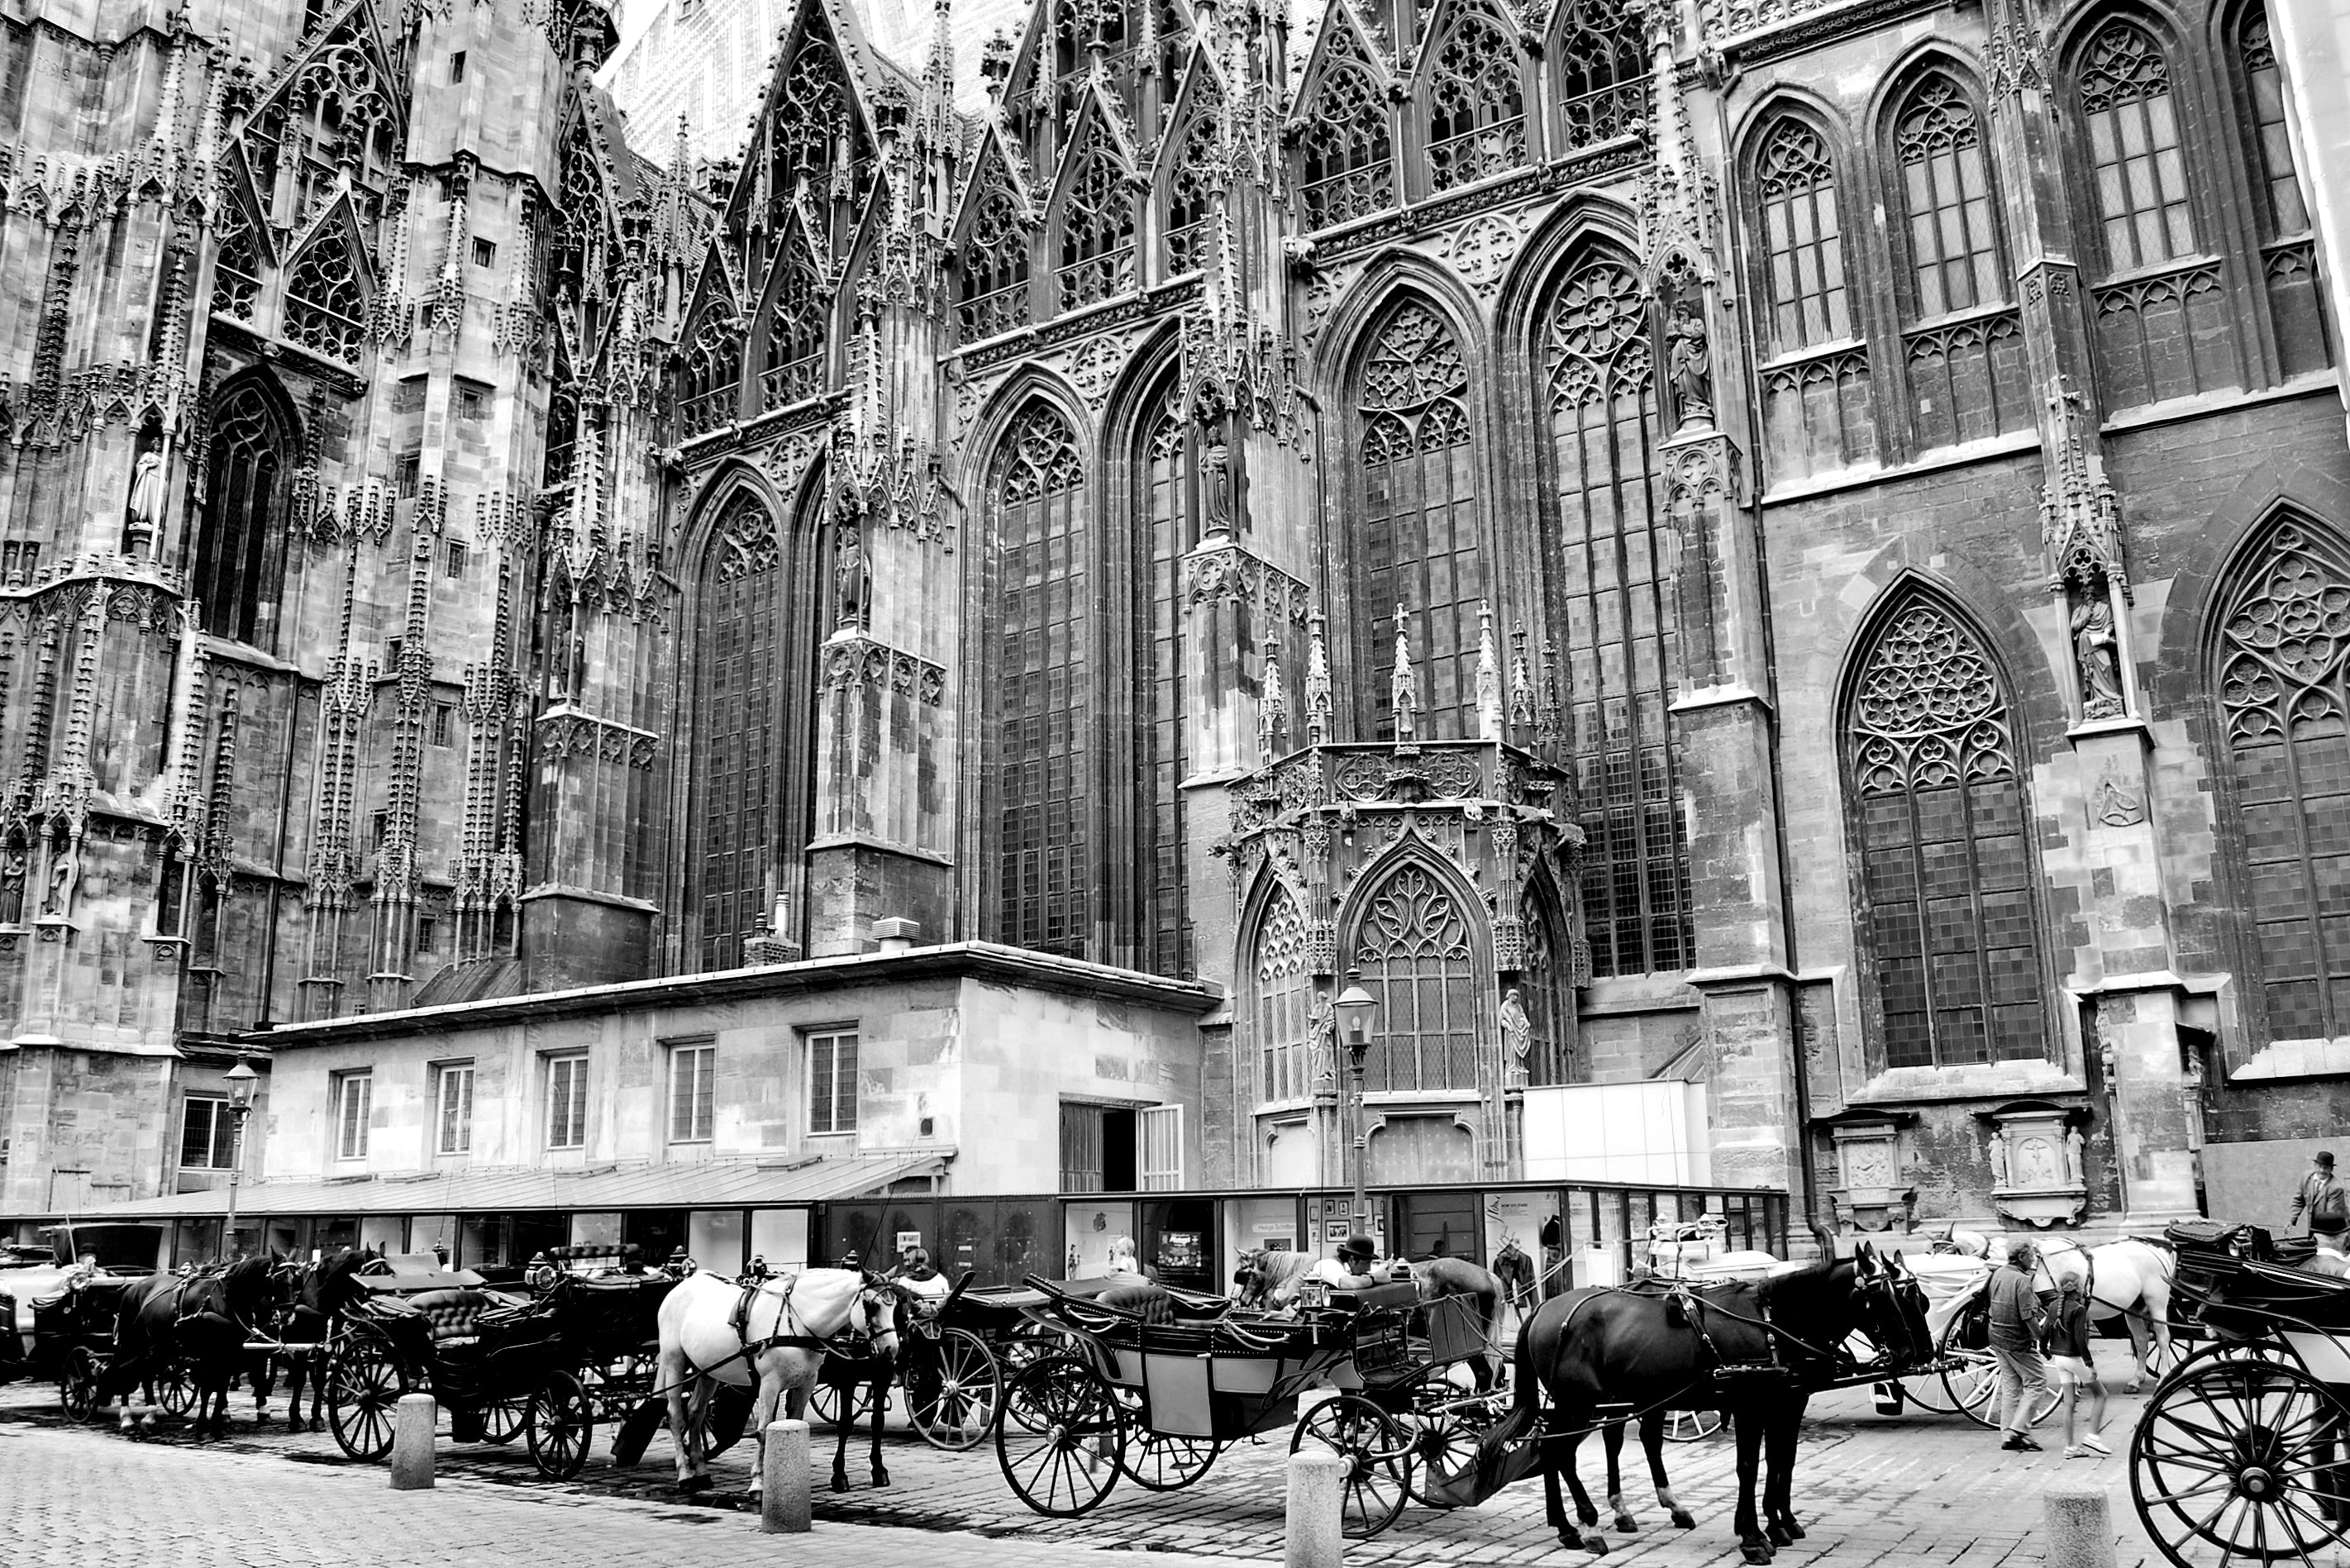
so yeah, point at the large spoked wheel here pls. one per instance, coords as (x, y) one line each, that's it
(1377, 1453)
(1443, 1442)
(504, 1420)
(1692, 1426)
(1930, 1390)
(1158, 1461)
(824, 1402)
(175, 1388)
(363, 1390)
(1971, 1381)
(561, 1425)
(78, 1387)
(952, 1391)
(1063, 1437)
(2241, 1459)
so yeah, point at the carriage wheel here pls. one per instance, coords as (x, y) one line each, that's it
(1161, 1461)
(175, 1388)
(363, 1390)
(825, 1405)
(1377, 1453)
(959, 1386)
(504, 1420)
(1064, 1447)
(2242, 1458)
(77, 1388)
(1692, 1426)
(1973, 1387)
(561, 1426)
(1443, 1443)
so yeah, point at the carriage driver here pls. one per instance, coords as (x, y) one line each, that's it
(1351, 1269)
(915, 1276)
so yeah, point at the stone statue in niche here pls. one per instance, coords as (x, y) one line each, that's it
(2098, 653)
(146, 504)
(1998, 1160)
(13, 867)
(1321, 1042)
(2075, 1168)
(1517, 1036)
(1215, 484)
(58, 899)
(854, 577)
(1688, 366)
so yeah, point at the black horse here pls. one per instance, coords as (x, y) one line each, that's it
(870, 1372)
(311, 1299)
(1615, 1356)
(199, 1321)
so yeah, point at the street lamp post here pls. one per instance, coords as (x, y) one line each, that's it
(1355, 1007)
(240, 1081)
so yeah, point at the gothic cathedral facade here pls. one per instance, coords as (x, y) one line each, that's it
(1801, 546)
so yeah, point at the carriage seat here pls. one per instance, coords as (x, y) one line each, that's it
(597, 1258)
(453, 1316)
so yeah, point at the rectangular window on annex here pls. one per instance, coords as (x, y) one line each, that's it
(692, 1102)
(566, 1102)
(832, 1082)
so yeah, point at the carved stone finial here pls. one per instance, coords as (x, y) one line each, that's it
(1272, 707)
(1317, 683)
(1522, 684)
(1489, 676)
(1548, 716)
(1403, 689)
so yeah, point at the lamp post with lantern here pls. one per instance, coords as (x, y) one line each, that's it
(1355, 1007)
(240, 1081)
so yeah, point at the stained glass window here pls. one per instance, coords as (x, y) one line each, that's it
(1284, 1002)
(1161, 545)
(738, 669)
(2140, 170)
(1623, 640)
(1041, 714)
(1803, 239)
(1416, 542)
(1949, 914)
(244, 513)
(1413, 948)
(1476, 105)
(2284, 697)
(1946, 192)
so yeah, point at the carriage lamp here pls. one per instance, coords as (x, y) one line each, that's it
(240, 1081)
(1354, 1007)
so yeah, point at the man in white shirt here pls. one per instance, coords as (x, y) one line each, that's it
(1351, 1269)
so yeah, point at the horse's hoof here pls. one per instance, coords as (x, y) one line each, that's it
(1625, 1524)
(880, 1477)
(1793, 1529)
(693, 1484)
(1758, 1555)
(1596, 1545)
(1570, 1540)
(1684, 1519)
(1780, 1536)
(840, 1483)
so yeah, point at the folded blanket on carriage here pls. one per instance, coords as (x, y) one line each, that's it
(1949, 1280)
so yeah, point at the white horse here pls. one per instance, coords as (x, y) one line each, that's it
(2129, 1277)
(775, 1339)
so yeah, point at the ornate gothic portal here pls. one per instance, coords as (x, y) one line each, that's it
(1434, 874)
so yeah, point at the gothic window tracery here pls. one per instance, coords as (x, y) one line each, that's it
(711, 386)
(1285, 1002)
(1951, 918)
(237, 263)
(1040, 703)
(1622, 641)
(2288, 259)
(1414, 946)
(796, 331)
(817, 134)
(238, 558)
(1476, 105)
(1548, 997)
(1803, 238)
(1097, 254)
(2284, 699)
(326, 309)
(993, 291)
(1349, 161)
(1191, 192)
(1603, 65)
(1161, 545)
(738, 673)
(1416, 545)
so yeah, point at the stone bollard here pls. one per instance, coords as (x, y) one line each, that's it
(1318, 1491)
(784, 1479)
(412, 1442)
(2080, 1527)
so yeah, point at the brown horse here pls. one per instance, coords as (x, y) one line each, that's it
(201, 1321)
(1756, 1350)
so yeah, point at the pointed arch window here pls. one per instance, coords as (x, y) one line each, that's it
(796, 331)
(738, 679)
(818, 135)
(237, 263)
(1623, 642)
(239, 560)
(2284, 699)
(993, 291)
(326, 309)
(1949, 914)
(710, 390)
(1602, 51)
(1159, 546)
(2139, 166)
(1285, 1002)
(1803, 238)
(1548, 996)
(1414, 946)
(1415, 545)
(1191, 191)
(2289, 261)
(1476, 105)
(1097, 259)
(1041, 721)
(1349, 161)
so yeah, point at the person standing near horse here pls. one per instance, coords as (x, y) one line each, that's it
(2321, 1197)
(2072, 1370)
(1351, 1269)
(2015, 1320)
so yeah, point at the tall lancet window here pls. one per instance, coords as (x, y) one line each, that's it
(239, 560)
(1623, 638)
(1415, 542)
(1159, 549)
(1939, 821)
(1039, 697)
(737, 670)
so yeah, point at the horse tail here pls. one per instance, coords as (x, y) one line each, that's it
(1526, 1394)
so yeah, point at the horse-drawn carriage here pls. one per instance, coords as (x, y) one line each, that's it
(1155, 1393)
(546, 1367)
(73, 1341)
(2244, 1450)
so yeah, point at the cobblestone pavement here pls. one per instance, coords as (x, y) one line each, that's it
(1914, 1489)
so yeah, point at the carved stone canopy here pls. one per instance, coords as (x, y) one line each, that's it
(2037, 1150)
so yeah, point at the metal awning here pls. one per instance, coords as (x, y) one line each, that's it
(702, 1184)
